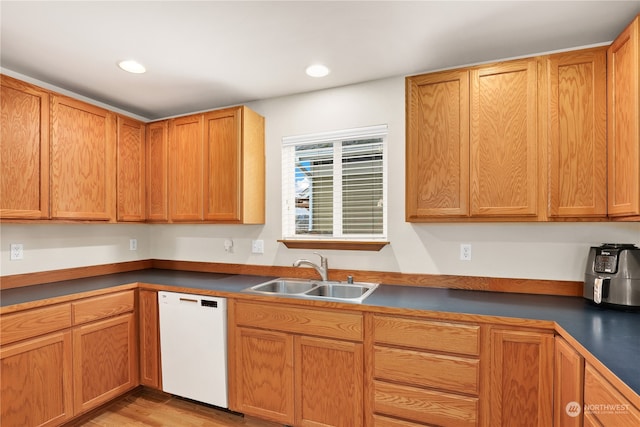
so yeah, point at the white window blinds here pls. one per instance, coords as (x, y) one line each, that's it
(335, 185)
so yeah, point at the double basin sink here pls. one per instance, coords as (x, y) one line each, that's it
(315, 289)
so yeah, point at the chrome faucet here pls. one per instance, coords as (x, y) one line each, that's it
(322, 269)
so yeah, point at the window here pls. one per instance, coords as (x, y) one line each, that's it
(335, 185)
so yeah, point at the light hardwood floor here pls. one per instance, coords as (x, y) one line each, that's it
(146, 407)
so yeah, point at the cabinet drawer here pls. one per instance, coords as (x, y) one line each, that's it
(101, 307)
(379, 421)
(425, 406)
(31, 323)
(325, 323)
(450, 373)
(607, 404)
(428, 335)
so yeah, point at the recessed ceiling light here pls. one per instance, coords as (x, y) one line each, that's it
(132, 66)
(317, 70)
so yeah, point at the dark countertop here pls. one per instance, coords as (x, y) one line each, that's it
(612, 336)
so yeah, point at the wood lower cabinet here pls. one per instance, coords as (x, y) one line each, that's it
(623, 109)
(425, 372)
(604, 405)
(24, 150)
(568, 380)
(149, 339)
(521, 379)
(264, 380)
(577, 120)
(131, 170)
(105, 361)
(36, 387)
(329, 382)
(298, 366)
(83, 161)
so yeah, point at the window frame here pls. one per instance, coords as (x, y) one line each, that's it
(350, 241)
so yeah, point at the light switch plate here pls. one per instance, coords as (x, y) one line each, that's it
(257, 246)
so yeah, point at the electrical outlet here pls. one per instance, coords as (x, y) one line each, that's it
(133, 244)
(17, 251)
(465, 252)
(257, 246)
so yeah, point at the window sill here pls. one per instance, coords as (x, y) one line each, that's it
(334, 245)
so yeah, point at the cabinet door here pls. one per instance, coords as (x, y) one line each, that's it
(568, 383)
(606, 404)
(157, 171)
(437, 152)
(186, 148)
(24, 150)
(131, 173)
(264, 374)
(521, 392)
(329, 382)
(149, 339)
(503, 138)
(577, 134)
(83, 173)
(36, 388)
(623, 71)
(105, 361)
(222, 146)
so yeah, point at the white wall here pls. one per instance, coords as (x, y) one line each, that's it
(520, 250)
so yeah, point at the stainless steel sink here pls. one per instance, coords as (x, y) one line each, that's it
(314, 289)
(285, 286)
(346, 291)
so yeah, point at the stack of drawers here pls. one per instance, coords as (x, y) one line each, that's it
(425, 372)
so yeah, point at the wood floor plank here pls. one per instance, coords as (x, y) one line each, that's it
(148, 408)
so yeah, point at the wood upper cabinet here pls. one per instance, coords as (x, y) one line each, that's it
(577, 120)
(521, 385)
(503, 140)
(623, 80)
(24, 150)
(234, 169)
(83, 161)
(568, 381)
(217, 167)
(437, 154)
(472, 143)
(131, 170)
(186, 168)
(157, 171)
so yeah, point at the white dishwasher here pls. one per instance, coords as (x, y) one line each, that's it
(193, 346)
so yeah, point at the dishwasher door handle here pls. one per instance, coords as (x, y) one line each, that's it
(189, 300)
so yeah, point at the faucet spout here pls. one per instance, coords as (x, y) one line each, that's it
(322, 269)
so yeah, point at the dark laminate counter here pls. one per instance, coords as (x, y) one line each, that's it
(612, 336)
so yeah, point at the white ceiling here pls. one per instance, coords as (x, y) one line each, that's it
(207, 54)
